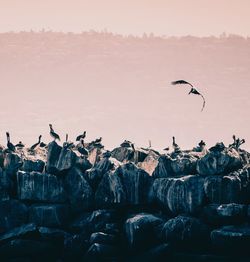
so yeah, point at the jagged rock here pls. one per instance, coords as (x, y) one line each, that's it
(110, 191)
(40, 187)
(54, 235)
(186, 231)
(179, 195)
(141, 230)
(1, 156)
(94, 156)
(226, 214)
(93, 176)
(66, 160)
(13, 213)
(136, 183)
(5, 185)
(122, 154)
(102, 238)
(12, 162)
(54, 151)
(232, 238)
(83, 164)
(33, 165)
(94, 221)
(139, 155)
(101, 252)
(219, 162)
(150, 163)
(79, 192)
(107, 164)
(180, 165)
(24, 231)
(55, 215)
(223, 189)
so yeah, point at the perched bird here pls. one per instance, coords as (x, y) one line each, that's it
(175, 146)
(53, 133)
(67, 144)
(36, 144)
(10, 146)
(82, 150)
(166, 149)
(202, 143)
(133, 146)
(81, 136)
(192, 91)
(20, 145)
(42, 144)
(98, 140)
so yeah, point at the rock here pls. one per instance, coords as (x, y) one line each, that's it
(54, 235)
(83, 164)
(102, 238)
(93, 176)
(101, 252)
(141, 230)
(226, 214)
(136, 183)
(183, 230)
(66, 161)
(12, 162)
(110, 191)
(40, 187)
(180, 195)
(232, 238)
(79, 192)
(24, 231)
(219, 162)
(94, 221)
(94, 156)
(150, 163)
(139, 155)
(122, 154)
(13, 214)
(223, 189)
(55, 215)
(33, 165)
(54, 151)
(163, 169)
(5, 185)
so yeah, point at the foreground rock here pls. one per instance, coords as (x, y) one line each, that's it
(179, 195)
(54, 151)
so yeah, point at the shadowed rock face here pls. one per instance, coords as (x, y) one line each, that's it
(12, 162)
(180, 195)
(54, 151)
(30, 165)
(5, 185)
(149, 163)
(123, 154)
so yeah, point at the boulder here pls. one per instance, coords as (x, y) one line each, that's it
(179, 195)
(5, 185)
(184, 230)
(123, 154)
(102, 238)
(40, 187)
(141, 230)
(219, 162)
(33, 165)
(54, 235)
(150, 163)
(12, 162)
(53, 215)
(83, 164)
(223, 189)
(13, 214)
(94, 156)
(226, 214)
(54, 151)
(101, 252)
(66, 160)
(78, 190)
(110, 191)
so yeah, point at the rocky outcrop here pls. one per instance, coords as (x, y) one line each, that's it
(53, 155)
(150, 163)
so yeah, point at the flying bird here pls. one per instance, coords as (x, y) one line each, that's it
(192, 91)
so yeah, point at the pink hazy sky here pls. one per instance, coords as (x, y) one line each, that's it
(162, 17)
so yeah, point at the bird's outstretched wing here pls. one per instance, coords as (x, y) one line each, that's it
(181, 82)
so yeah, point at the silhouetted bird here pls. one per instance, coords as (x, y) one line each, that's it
(42, 144)
(20, 145)
(133, 146)
(202, 143)
(36, 144)
(10, 146)
(175, 146)
(81, 136)
(192, 91)
(67, 144)
(166, 149)
(98, 140)
(82, 150)
(53, 133)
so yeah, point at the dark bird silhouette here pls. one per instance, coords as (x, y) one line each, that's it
(82, 150)
(98, 140)
(81, 136)
(175, 146)
(166, 149)
(42, 144)
(36, 144)
(53, 133)
(67, 144)
(10, 146)
(192, 91)
(20, 145)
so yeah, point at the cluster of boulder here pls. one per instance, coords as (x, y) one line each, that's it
(125, 205)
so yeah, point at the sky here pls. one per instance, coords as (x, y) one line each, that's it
(162, 17)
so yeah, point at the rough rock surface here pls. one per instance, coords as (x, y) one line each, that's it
(33, 165)
(53, 155)
(150, 162)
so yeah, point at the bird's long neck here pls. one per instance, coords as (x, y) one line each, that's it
(173, 140)
(8, 137)
(39, 139)
(67, 137)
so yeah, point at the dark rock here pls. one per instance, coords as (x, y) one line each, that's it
(150, 163)
(139, 155)
(94, 221)
(93, 176)
(5, 185)
(232, 238)
(40, 187)
(223, 189)
(179, 195)
(141, 230)
(219, 162)
(110, 191)
(95, 156)
(123, 154)
(24, 231)
(13, 213)
(83, 164)
(55, 215)
(102, 238)
(66, 160)
(185, 231)
(101, 252)
(12, 162)
(79, 192)
(33, 165)
(54, 151)
(54, 235)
